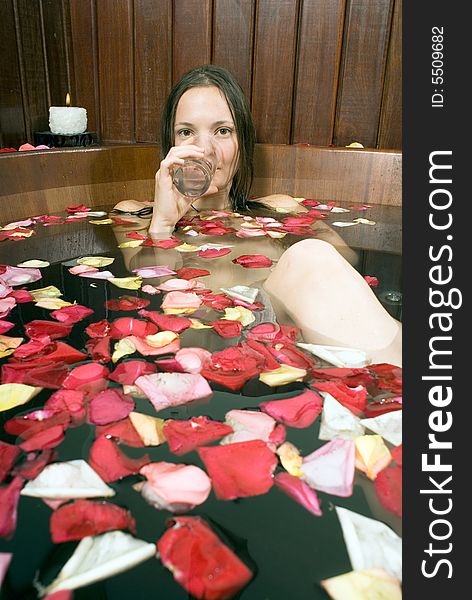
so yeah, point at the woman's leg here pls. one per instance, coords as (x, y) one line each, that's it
(331, 302)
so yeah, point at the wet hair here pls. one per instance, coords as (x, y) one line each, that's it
(209, 76)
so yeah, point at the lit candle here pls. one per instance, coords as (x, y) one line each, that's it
(67, 120)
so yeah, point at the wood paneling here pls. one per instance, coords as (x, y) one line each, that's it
(116, 69)
(274, 66)
(153, 65)
(12, 123)
(390, 130)
(55, 43)
(233, 27)
(32, 70)
(192, 35)
(321, 28)
(321, 72)
(363, 68)
(84, 60)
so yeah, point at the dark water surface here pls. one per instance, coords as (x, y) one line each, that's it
(288, 549)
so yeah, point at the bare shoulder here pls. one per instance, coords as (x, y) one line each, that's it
(282, 201)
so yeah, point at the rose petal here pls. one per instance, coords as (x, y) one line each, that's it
(239, 470)
(71, 314)
(200, 562)
(388, 486)
(173, 389)
(37, 329)
(9, 497)
(82, 518)
(8, 456)
(127, 303)
(109, 406)
(111, 463)
(185, 436)
(299, 491)
(127, 326)
(253, 261)
(330, 469)
(227, 329)
(299, 411)
(127, 372)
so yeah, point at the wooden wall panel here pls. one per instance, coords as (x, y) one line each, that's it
(153, 65)
(273, 69)
(322, 72)
(55, 43)
(233, 27)
(321, 28)
(84, 58)
(390, 130)
(32, 70)
(364, 56)
(116, 69)
(12, 122)
(192, 35)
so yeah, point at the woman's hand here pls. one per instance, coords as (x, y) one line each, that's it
(169, 204)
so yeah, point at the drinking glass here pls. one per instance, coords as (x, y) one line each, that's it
(193, 178)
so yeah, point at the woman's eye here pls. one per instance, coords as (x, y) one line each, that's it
(184, 133)
(224, 131)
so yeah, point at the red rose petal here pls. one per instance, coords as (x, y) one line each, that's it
(37, 329)
(83, 518)
(21, 296)
(388, 485)
(32, 466)
(5, 326)
(397, 455)
(265, 332)
(388, 377)
(199, 561)
(9, 497)
(85, 374)
(166, 322)
(299, 411)
(109, 406)
(70, 401)
(127, 372)
(78, 208)
(239, 470)
(99, 349)
(25, 351)
(217, 301)
(49, 375)
(278, 435)
(375, 409)
(353, 399)
(372, 281)
(123, 432)
(299, 491)
(164, 244)
(8, 456)
(71, 314)
(270, 364)
(213, 252)
(289, 354)
(127, 303)
(227, 329)
(253, 261)
(26, 426)
(350, 376)
(55, 352)
(125, 326)
(49, 438)
(99, 329)
(191, 273)
(185, 436)
(111, 463)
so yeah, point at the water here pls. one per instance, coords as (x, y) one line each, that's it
(193, 178)
(289, 550)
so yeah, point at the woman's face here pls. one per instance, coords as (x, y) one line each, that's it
(202, 115)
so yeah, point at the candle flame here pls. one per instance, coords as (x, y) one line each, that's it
(68, 99)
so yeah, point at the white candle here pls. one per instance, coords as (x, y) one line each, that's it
(68, 120)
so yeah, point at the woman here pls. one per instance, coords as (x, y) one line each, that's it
(312, 284)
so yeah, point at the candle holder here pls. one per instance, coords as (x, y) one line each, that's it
(61, 140)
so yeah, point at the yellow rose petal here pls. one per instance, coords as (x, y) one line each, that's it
(122, 348)
(160, 339)
(179, 311)
(127, 283)
(187, 248)
(51, 291)
(364, 221)
(150, 429)
(33, 263)
(196, 324)
(5, 353)
(281, 376)
(131, 244)
(280, 209)
(52, 303)
(290, 458)
(102, 222)
(276, 234)
(7, 342)
(368, 584)
(16, 394)
(241, 314)
(95, 261)
(372, 455)
(25, 234)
